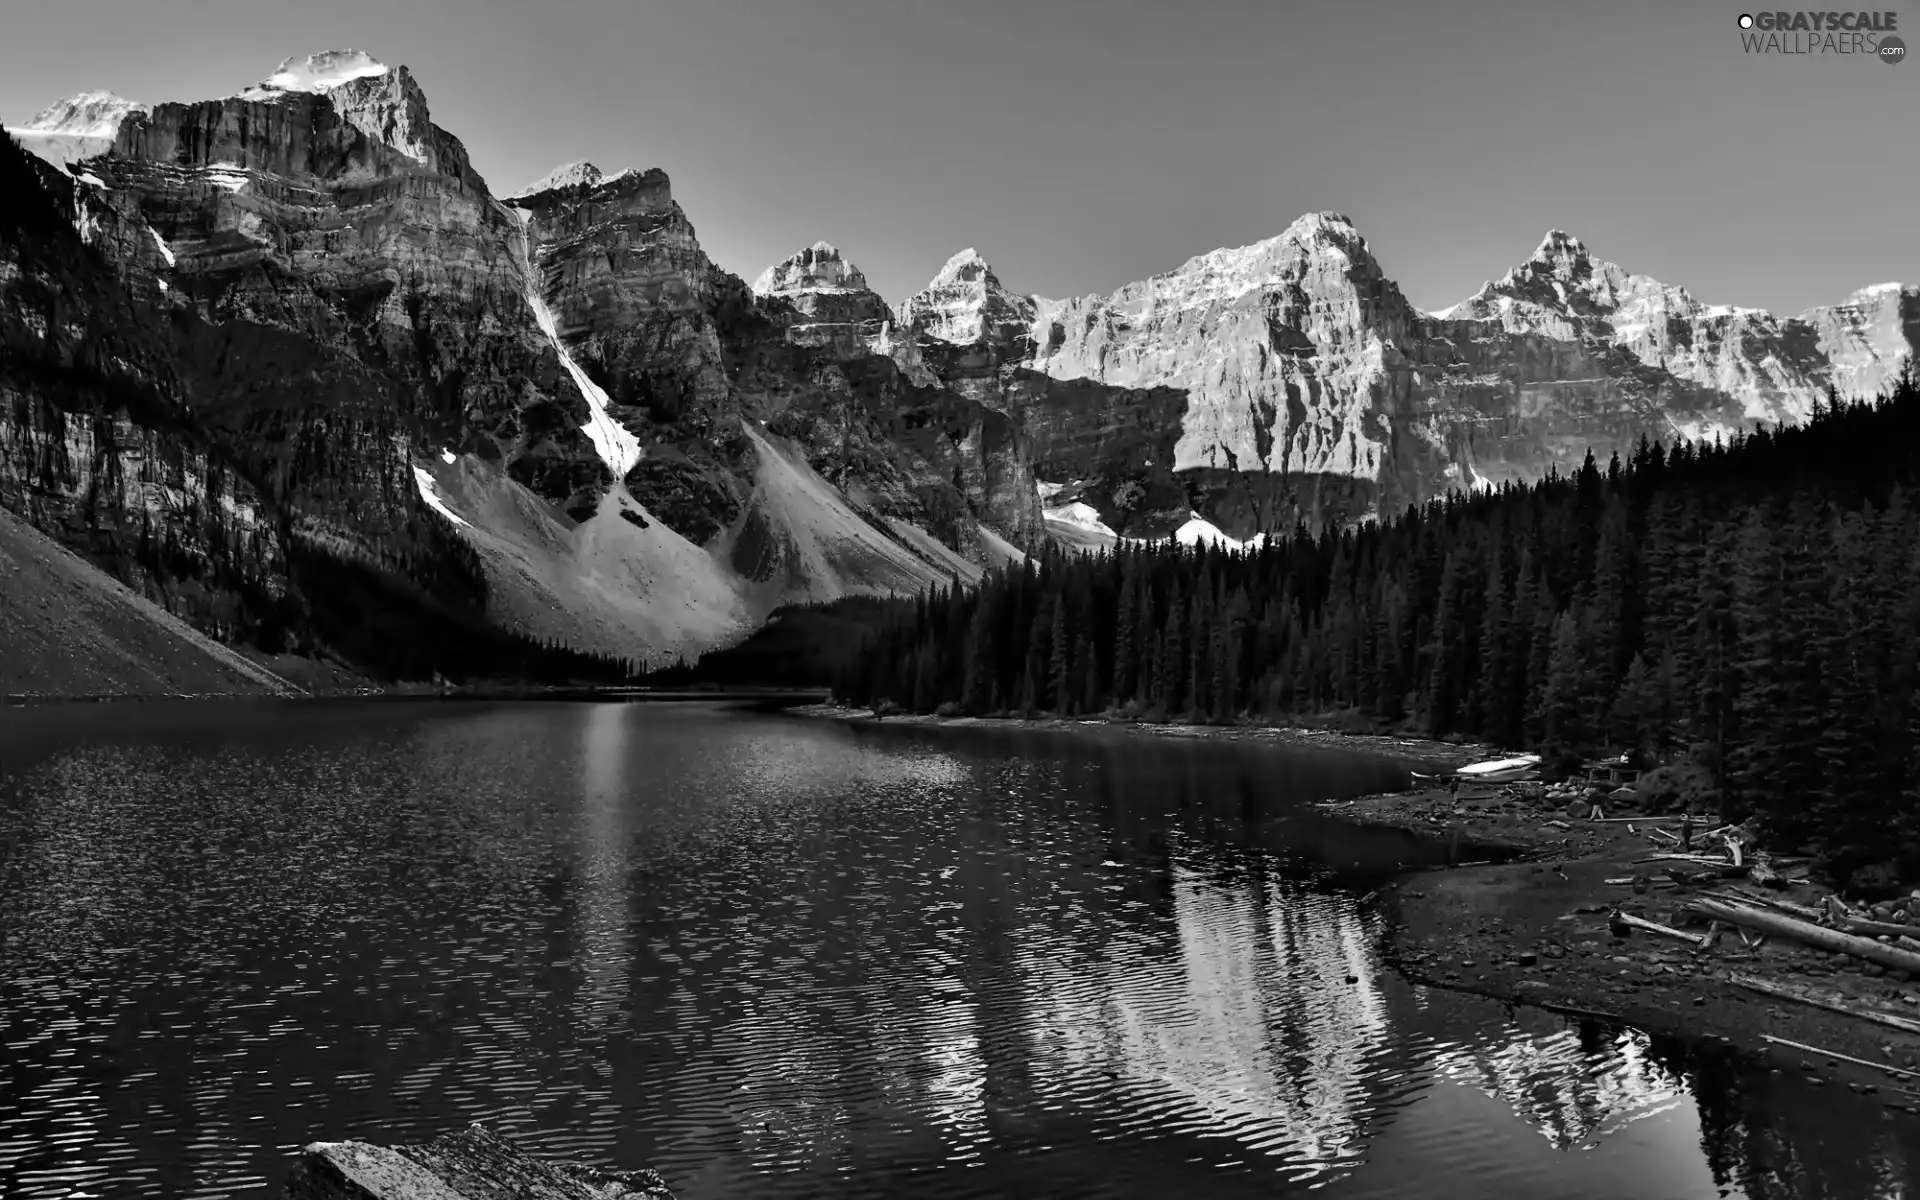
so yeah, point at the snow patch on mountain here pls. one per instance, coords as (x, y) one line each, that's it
(1080, 514)
(1198, 529)
(316, 73)
(160, 244)
(429, 492)
(618, 448)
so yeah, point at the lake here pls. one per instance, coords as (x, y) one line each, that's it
(775, 957)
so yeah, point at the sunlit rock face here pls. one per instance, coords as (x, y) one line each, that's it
(1869, 337)
(1567, 353)
(1310, 389)
(832, 304)
(965, 304)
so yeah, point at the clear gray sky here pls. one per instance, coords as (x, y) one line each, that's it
(1083, 144)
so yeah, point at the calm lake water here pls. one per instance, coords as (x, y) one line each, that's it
(780, 958)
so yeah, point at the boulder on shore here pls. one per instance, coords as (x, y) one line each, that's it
(476, 1164)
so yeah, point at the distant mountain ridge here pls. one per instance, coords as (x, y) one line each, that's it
(1312, 387)
(552, 408)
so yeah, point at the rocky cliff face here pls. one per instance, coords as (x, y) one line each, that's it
(964, 462)
(388, 362)
(701, 372)
(1869, 337)
(98, 445)
(1307, 387)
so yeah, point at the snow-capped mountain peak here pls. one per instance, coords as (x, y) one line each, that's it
(76, 128)
(316, 73)
(1878, 289)
(88, 114)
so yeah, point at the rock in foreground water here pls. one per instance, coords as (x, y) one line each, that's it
(476, 1164)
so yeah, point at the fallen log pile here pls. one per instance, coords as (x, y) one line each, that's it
(1818, 936)
(1724, 879)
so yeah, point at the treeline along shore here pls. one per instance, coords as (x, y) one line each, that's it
(1747, 613)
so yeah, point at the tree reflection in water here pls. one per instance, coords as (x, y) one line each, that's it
(1774, 1136)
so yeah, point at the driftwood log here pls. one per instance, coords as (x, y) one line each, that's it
(1629, 921)
(1813, 999)
(1837, 1056)
(1813, 935)
(1747, 895)
(476, 1164)
(1880, 928)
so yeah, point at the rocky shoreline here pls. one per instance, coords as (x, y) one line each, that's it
(1423, 751)
(1537, 929)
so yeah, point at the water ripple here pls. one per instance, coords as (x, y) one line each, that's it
(774, 958)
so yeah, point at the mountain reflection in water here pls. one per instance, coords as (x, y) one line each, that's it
(773, 957)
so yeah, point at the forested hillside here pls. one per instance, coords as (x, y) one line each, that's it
(1753, 607)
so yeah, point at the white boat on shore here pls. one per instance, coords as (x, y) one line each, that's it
(1500, 770)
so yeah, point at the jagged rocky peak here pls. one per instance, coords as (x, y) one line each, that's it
(831, 304)
(1321, 239)
(566, 175)
(819, 267)
(1324, 227)
(1562, 285)
(385, 103)
(320, 72)
(966, 303)
(1563, 254)
(966, 267)
(576, 179)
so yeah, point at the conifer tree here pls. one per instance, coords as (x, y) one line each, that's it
(1125, 662)
(1060, 669)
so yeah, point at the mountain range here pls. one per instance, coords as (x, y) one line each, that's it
(272, 349)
